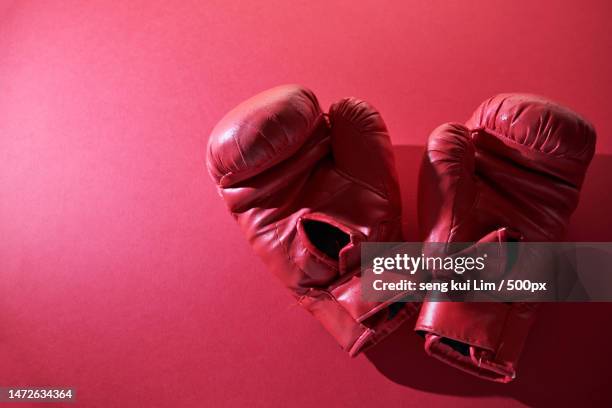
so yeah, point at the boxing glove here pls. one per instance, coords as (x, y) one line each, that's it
(513, 172)
(307, 189)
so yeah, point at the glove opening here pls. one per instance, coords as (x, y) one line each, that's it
(458, 346)
(325, 237)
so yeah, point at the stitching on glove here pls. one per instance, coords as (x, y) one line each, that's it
(361, 183)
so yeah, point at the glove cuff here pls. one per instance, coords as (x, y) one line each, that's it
(483, 339)
(354, 323)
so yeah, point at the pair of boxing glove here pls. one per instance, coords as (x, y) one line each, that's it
(308, 187)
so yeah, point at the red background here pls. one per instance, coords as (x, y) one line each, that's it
(121, 273)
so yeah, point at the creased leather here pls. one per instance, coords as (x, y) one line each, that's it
(517, 164)
(281, 165)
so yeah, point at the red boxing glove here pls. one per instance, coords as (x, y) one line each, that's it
(513, 172)
(307, 189)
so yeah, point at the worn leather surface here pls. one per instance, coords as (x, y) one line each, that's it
(307, 188)
(515, 169)
(124, 276)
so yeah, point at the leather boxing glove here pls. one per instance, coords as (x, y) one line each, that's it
(512, 172)
(307, 188)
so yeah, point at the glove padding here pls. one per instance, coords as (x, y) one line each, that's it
(307, 189)
(512, 173)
